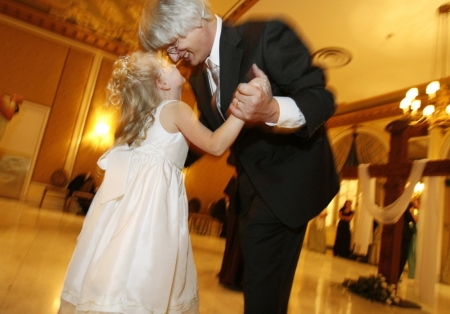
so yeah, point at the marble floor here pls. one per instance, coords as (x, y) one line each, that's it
(36, 246)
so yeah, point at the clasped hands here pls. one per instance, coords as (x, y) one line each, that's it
(253, 101)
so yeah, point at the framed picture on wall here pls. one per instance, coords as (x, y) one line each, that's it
(19, 147)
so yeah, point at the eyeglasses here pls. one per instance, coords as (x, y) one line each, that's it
(172, 54)
(173, 49)
(165, 56)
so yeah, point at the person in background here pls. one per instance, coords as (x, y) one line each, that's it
(83, 182)
(317, 233)
(407, 253)
(220, 211)
(194, 205)
(231, 273)
(374, 248)
(342, 242)
(261, 72)
(8, 110)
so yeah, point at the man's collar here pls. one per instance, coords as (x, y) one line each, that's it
(215, 56)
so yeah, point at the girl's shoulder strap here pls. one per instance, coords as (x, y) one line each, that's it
(162, 104)
(158, 111)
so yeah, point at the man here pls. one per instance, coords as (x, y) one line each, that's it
(286, 172)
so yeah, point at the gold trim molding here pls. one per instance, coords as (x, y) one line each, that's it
(32, 16)
(379, 107)
(379, 112)
(237, 11)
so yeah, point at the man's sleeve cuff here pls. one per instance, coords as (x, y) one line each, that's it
(290, 115)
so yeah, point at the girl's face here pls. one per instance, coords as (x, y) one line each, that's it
(172, 75)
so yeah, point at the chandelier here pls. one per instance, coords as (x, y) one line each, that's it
(436, 111)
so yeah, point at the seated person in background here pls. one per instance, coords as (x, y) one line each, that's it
(7, 110)
(194, 206)
(83, 182)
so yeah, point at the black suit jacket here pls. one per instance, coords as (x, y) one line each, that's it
(294, 173)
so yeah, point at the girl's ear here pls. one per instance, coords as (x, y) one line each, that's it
(162, 84)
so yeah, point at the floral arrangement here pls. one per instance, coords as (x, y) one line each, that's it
(374, 288)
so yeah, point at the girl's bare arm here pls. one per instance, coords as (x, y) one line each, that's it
(178, 116)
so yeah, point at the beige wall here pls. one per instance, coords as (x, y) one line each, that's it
(63, 115)
(91, 146)
(30, 65)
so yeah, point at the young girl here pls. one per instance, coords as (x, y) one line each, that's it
(134, 253)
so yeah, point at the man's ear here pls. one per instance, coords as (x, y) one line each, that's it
(162, 84)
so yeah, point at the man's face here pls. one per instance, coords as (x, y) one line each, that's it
(194, 48)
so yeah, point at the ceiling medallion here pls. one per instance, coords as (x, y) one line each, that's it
(331, 57)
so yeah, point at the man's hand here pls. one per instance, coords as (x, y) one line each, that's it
(254, 101)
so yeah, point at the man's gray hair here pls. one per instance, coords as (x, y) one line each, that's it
(164, 21)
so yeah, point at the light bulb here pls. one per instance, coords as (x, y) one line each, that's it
(433, 87)
(412, 93)
(415, 105)
(428, 110)
(418, 188)
(404, 104)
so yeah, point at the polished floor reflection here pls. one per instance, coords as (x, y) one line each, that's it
(36, 246)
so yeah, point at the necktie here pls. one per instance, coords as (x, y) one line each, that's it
(215, 71)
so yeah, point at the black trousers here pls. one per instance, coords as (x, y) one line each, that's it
(271, 251)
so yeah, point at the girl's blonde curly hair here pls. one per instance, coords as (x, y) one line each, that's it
(132, 86)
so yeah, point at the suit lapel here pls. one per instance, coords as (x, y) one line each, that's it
(230, 60)
(230, 63)
(203, 94)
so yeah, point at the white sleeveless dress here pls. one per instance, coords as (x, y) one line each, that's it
(134, 253)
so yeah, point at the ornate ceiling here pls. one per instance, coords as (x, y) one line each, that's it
(107, 24)
(114, 19)
(110, 25)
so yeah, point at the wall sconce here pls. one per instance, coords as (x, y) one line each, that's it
(101, 130)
